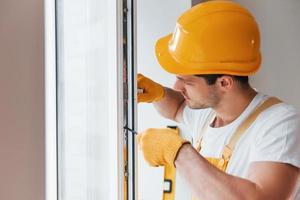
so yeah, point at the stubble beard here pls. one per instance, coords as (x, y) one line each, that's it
(210, 102)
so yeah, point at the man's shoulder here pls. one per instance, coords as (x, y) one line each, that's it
(196, 113)
(194, 117)
(280, 114)
(278, 110)
(281, 109)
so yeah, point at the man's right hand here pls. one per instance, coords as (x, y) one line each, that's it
(160, 145)
(152, 91)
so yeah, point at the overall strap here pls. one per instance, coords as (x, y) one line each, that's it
(228, 149)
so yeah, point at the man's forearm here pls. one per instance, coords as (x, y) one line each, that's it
(170, 104)
(208, 182)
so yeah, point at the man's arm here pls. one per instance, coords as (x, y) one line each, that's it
(266, 180)
(171, 105)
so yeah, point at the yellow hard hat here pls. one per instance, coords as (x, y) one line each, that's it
(215, 37)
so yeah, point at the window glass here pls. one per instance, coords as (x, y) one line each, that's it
(83, 111)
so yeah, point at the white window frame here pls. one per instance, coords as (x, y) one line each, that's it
(116, 140)
(50, 101)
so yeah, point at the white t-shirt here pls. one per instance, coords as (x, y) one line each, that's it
(274, 136)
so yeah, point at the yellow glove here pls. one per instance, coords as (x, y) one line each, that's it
(160, 145)
(152, 90)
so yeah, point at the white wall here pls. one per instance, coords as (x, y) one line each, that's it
(279, 75)
(22, 100)
(280, 29)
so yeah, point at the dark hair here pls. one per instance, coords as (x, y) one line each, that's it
(212, 78)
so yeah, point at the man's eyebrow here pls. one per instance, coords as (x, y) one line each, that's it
(184, 79)
(180, 78)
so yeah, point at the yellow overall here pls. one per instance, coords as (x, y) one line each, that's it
(220, 163)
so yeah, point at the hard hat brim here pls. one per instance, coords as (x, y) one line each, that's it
(169, 63)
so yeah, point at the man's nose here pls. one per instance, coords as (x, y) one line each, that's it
(178, 86)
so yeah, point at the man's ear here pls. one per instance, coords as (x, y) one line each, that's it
(225, 82)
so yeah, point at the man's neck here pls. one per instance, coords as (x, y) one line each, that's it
(231, 107)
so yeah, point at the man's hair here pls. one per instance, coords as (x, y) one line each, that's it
(212, 78)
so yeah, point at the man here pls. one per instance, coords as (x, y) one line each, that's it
(247, 144)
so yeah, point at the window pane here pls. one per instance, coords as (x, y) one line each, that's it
(83, 114)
